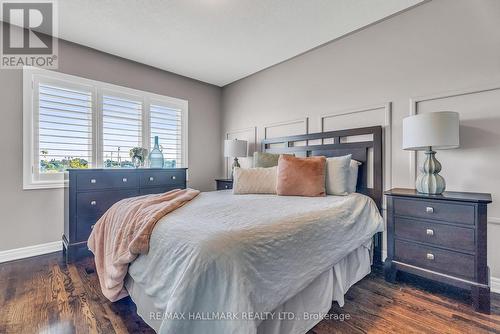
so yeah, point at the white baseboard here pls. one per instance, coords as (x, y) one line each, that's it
(24, 252)
(495, 284)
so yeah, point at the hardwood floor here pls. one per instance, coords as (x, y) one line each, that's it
(44, 295)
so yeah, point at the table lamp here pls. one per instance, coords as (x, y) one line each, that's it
(428, 132)
(234, 148)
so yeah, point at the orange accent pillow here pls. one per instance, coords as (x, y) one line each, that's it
(301, 176)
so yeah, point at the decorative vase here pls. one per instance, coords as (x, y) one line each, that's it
(156, 156)
(429, 181)
(137, 161)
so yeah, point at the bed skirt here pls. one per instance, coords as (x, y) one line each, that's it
(301, 312)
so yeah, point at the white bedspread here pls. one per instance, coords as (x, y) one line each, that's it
(237, 256)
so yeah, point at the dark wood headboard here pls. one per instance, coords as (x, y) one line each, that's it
(338, 143)
(337, 147)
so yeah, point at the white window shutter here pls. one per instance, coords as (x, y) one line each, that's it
(166, 123)
(121, 129)
(63, 127)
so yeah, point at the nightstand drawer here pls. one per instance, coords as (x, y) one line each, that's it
(460, 238)
(224, 185)
(450, 212)
(442, 261)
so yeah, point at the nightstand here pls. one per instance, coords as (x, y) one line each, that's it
(223, 184)
(441, 238)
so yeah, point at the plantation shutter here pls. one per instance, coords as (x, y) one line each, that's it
(63, 126)
(122, 128)
(166, 123)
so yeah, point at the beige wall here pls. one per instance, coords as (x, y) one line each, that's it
(31, 217)
(369, 77)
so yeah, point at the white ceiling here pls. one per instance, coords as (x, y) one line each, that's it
(216, 41)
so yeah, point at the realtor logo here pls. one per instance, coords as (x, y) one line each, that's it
(28, 34)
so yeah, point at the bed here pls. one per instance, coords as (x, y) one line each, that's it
(267, 264)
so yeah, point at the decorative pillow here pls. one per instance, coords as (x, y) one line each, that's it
(337, 175)
(254, 180)
(301, 176)
(265, 160)
(353, 176)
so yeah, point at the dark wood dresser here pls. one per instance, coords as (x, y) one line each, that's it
(440, 237)
(91, 192)
(224, 184)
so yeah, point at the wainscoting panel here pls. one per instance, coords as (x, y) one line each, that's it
(378, 114)
(248, 134)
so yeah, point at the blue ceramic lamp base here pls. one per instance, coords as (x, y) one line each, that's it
(429, 181)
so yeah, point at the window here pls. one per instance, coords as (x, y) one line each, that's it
(71, 122)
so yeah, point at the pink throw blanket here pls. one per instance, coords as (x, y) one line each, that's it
(123, 233)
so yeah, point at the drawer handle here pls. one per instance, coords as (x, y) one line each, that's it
(93, 203)
(429, 232)
(173, 177)
(429, 209)
(430, 256)
(93, 181)
(151, 178)
(92, 227)
(124, 179)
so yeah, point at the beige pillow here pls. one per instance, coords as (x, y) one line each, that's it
(337, 175)
(254, 180)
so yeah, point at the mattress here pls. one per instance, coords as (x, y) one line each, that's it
(224, 261)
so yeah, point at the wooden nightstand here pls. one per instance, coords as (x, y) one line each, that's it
(440, 237)
(224, 184)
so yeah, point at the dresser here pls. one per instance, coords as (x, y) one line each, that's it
(91, 192)
(441, 238)
(224, 184)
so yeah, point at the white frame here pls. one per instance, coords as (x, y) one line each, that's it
(32, 75)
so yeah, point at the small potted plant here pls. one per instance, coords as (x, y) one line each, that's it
(138, 155)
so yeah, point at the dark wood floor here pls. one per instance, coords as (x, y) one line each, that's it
(44, 295)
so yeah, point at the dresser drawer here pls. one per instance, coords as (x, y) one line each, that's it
(106, 180)
(93, 204)
(460, 238)
(84, 227)
(163, 178)
(157, 190)
(427, 257)
(450, 212)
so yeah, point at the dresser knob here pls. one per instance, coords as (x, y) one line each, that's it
(93, 203)
(124, 179)
(429, 231)
(93, 181)
(226, 186)
(151, 178)
(429, 209)
(430, 256)
(173, 177)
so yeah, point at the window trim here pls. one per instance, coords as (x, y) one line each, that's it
(33, 75)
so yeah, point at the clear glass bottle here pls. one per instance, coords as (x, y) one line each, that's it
(156, 156)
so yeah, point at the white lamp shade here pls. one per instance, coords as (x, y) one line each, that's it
(437, 129)
(235, 148)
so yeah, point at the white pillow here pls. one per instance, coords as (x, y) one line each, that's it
(337, 175)
(255, 180)
(353, 176)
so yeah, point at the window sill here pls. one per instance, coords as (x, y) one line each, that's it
(45, 185)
